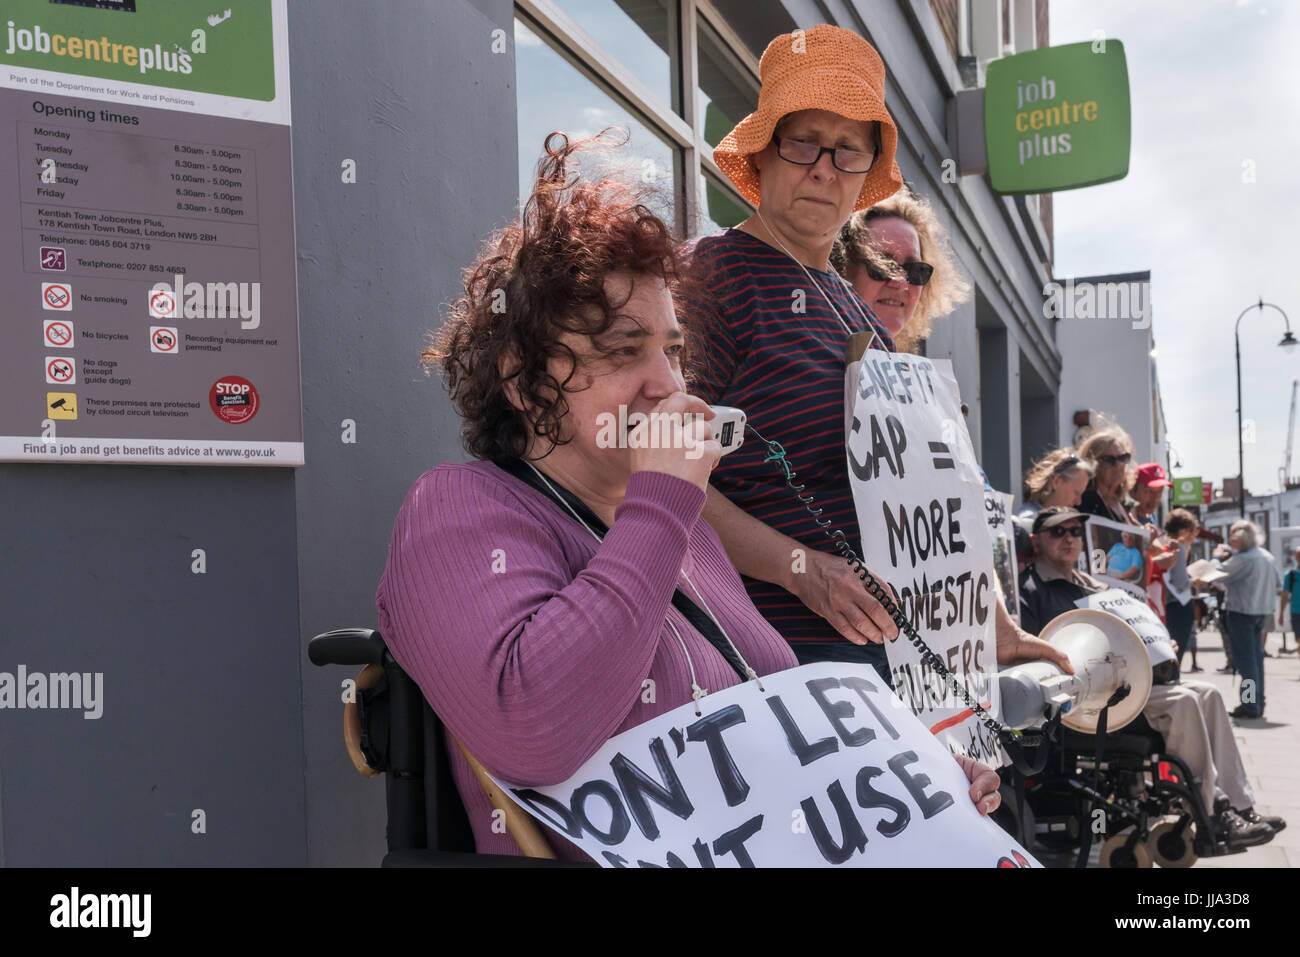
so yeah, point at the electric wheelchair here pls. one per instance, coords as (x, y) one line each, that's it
(1151, 810)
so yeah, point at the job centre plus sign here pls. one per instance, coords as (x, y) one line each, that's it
(1058, 118)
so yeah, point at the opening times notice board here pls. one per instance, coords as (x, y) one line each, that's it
(147, 259)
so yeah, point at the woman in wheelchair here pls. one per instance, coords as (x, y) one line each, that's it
(530, 593)
(1190, 715)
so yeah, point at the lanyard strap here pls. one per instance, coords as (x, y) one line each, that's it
(693, 613)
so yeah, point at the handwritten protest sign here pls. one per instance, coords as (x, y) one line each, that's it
(919, 497)
(820, 767)
(1138, 615)
(997, 509)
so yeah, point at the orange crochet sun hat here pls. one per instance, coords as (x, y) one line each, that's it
(824, 68)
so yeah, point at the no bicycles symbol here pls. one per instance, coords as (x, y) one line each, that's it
(58, 334)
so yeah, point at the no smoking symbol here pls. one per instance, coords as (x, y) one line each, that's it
(60, 371)
(57, 296)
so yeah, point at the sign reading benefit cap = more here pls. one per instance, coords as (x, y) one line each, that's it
(1058, 118)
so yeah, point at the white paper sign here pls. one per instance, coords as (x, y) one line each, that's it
(821, 767)
(919, 497)
(1138, 615)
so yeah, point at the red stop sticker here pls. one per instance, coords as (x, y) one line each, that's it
(234, 399)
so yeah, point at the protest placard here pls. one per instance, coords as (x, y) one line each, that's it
(1116, 554)
(820, 766)
(919, 496)
(997, 509)
(1137, 614)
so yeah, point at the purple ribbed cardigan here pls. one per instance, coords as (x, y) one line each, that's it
(535, 666)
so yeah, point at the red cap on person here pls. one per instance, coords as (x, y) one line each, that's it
(1152, 475)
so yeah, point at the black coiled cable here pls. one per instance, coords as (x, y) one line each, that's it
(1008, 736)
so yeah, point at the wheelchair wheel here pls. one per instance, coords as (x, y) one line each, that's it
(1170, 848)
(1114, 853)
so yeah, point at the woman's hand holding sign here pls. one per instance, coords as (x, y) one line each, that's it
(984, 784)
(830, 587)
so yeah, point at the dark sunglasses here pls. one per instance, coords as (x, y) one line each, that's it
(1071, 462)
(916, 273)
(1112, 460)
(1060, 531)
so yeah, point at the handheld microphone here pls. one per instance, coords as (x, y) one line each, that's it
(728, 427)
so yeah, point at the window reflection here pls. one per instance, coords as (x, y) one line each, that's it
(639, 34)
(726, 93)
(719, 209)
(553, 95)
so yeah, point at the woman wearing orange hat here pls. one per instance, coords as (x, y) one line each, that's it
(820, 146)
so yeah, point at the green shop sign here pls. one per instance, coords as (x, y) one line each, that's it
(1058, 118)
(210, 47)
(1188, 491)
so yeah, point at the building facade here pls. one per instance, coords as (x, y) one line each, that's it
(212, 704)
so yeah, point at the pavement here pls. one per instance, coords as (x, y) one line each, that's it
(1270, 746)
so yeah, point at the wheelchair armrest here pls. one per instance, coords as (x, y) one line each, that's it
(347, 646)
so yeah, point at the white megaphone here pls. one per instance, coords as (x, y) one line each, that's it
(1105, 653)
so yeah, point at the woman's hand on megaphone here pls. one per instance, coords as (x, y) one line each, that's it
(984, 784)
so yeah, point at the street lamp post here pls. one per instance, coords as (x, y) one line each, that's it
(1288, 340)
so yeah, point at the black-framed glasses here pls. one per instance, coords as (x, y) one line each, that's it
(916, 273)
(1072, 461)
(803, 153)
(1112, 460)
(1060, 531)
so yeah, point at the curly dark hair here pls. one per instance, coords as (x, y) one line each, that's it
(536, 279)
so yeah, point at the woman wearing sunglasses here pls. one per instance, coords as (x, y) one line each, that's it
(1110, 452)
(896, 257)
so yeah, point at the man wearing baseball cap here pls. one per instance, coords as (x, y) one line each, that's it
(1051, 584)
(1191, 717)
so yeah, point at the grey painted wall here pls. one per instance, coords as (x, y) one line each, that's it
(200, 672)
(415, 96)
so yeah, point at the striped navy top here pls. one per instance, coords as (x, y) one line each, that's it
(774, 349)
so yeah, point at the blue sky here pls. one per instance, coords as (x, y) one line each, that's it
(1215, 85)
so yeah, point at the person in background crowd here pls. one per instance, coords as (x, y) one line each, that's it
(1109, 451)
(1291, 590)
(820, 146)
(897, 258)
(1221, 553)
(1181, 527)
(1148, 491)
(1058, 478)
(1253, 583)
(1190, 716)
